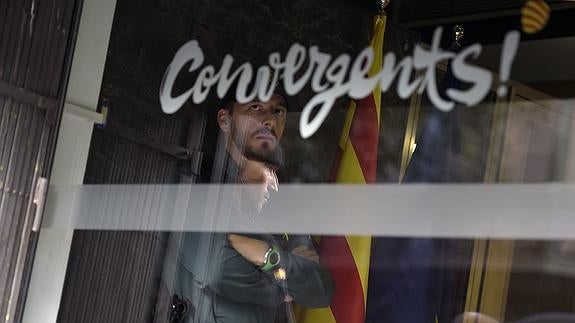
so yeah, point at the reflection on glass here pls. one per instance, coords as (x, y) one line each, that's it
(237, 277)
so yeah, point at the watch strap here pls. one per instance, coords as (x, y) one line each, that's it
(269, 257)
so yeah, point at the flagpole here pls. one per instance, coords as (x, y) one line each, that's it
(383, 5)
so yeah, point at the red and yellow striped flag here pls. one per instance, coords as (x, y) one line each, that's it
(348, 257)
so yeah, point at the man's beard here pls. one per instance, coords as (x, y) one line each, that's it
(274, 157)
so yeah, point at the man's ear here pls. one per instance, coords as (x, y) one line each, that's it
(224, 119)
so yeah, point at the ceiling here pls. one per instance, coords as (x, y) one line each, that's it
(544, 60)
(484, 20)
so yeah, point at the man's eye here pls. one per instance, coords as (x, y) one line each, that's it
(280, 112)
(255, 107)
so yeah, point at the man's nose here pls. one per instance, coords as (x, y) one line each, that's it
(268, 120)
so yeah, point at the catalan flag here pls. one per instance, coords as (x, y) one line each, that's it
(348, 257)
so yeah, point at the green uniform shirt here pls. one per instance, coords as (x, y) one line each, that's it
(225, 287)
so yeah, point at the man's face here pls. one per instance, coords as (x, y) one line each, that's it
(257, 127)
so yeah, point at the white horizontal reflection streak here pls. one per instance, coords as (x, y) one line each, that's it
(523, 211)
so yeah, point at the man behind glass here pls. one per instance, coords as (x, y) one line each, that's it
(250, 278)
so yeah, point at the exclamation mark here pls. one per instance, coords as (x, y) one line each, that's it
(508, 52)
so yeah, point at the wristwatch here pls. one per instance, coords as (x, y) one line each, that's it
(271, 259)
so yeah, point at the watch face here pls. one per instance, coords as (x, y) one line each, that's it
(274, 258)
